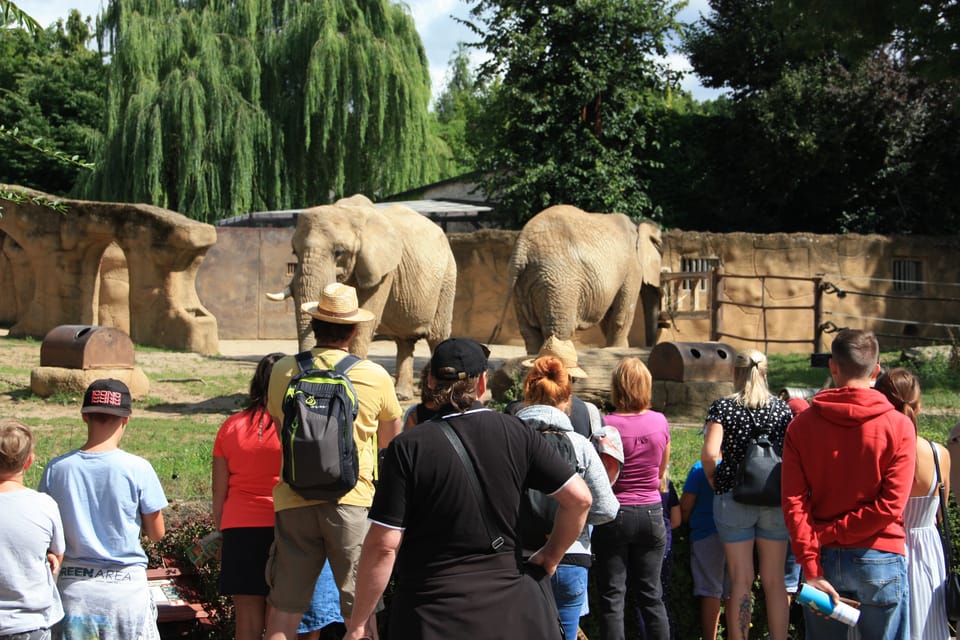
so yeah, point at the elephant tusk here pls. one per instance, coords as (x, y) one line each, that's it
(279, 297)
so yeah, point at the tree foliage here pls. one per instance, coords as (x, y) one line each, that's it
(811, 139)
(217, 108)
(455, 110)
(51, 103)
(922, 36)
(572, 120)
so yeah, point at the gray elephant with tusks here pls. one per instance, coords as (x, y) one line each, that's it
(400, 263)
(572, 270)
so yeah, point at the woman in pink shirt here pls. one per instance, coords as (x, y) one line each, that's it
(630, 548)
(246, 467)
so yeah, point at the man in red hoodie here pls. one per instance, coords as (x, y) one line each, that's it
(847, 471)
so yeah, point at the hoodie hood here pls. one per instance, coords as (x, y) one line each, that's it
(851, 406)
(542, 416)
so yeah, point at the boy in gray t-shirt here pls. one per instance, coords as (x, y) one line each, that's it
(106, 497)
(31, 543)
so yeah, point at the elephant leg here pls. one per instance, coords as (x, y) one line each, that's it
(373, 300)
(619, 317)
(405, 347)
(650, 303)
(532, 338)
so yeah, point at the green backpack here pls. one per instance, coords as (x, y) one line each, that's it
(320, 460)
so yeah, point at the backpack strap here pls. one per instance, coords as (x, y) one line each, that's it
(346, 363)
(305, 361)
(496, 540)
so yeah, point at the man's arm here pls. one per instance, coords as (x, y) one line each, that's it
(795, 494)
(387, 430)
(574, 499)
(373, 572)
(153, 525)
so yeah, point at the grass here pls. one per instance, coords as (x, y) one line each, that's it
(180, 447)
(178, 442)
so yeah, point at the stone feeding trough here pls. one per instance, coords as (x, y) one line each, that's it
(72, 356)
(689, 376)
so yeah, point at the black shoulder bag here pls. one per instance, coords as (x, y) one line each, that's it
(758, 478)
(532, 571)
(952, 587)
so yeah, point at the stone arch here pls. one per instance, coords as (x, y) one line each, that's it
(111, 296)
(64, 254)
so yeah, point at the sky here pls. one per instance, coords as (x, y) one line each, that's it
(439, 32)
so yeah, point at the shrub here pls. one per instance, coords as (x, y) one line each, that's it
(170, 551)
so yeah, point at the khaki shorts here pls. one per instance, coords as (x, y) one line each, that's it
(304, 538)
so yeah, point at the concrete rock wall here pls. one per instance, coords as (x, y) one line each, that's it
(56, 262)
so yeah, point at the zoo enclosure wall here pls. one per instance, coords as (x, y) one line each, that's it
(902, 287)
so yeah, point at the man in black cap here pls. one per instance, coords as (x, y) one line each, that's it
(105, 496)
(454, 542)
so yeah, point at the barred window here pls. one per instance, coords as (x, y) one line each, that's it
(694, 265)
(907, 275)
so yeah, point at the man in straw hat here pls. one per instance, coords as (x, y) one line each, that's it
(456, 562)
(308, 532)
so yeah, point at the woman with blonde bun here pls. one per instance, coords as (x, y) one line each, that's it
(730, 425)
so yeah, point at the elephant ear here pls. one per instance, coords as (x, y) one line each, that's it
(380, 250)
(650, 252)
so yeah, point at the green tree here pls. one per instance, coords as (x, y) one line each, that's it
(215, 108)
(455, 110)
(923, 36)
(51, 103)
(572, 121)
(811, 140)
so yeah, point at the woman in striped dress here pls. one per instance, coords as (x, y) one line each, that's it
(926, 572)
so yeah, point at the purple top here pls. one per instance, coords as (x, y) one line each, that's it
(645, 437)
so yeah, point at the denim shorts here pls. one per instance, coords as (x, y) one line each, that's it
(742, 522)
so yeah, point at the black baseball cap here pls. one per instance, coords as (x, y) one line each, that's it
(458, 359)
(107, 395)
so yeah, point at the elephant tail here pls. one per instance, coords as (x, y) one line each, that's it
(503, 314)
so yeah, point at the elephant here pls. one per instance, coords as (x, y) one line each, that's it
(400, 263)
(571, 270)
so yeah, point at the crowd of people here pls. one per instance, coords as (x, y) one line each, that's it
(441, 497)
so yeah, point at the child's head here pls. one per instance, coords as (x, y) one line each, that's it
(16, 446)
(107, 397)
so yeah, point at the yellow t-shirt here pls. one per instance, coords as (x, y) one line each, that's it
(378, 401)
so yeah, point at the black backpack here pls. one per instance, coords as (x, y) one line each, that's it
(538, 510)
(320, 460)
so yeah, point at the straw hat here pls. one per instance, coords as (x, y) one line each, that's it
(562, 350)
(337, 304)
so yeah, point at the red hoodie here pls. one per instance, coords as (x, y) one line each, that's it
(848, 467)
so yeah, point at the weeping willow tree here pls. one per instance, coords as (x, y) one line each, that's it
(219, 107)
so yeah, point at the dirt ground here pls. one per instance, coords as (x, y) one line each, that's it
(174, 376)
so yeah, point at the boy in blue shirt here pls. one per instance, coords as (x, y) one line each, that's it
(31, 543)
(106, 496)
(710, 580)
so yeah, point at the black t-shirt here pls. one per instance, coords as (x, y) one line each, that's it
(424, 488)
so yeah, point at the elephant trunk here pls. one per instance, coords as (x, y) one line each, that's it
(306, 286)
